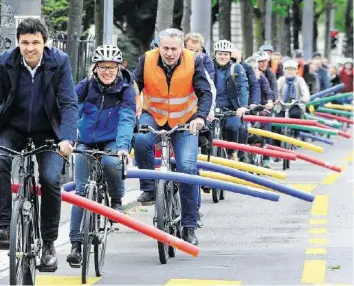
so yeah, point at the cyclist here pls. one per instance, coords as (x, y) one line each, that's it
(38, 101)
(232, 90)
(263, 58)
(274, 64)
(176, 91)
(107, 120)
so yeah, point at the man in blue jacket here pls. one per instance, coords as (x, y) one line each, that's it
(232, 90)
(38, 101)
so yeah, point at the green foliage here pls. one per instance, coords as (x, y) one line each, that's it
(340, 7)
(56, 14)
(130, 51)
(280, 7)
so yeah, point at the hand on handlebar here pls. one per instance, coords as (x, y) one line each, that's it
(196, 125)
(123, 154)
(241, 111)
(211, 116)
(269, 105)
(65, 148)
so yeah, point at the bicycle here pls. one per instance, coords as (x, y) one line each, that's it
(25, 235)
(168, 209)
(94, 227)
(282, 106)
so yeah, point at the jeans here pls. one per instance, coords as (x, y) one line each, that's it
(49, 166)
(113, 174)
(185, 146)
(231, 130)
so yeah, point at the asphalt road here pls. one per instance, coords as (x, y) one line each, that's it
(244, 240)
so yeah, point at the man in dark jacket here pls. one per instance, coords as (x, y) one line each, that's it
(275, 66)
(38, 101)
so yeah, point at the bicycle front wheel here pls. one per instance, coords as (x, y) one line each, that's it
(17, 250)
(215, 192)
(162, 217)
(102, 231)
(87, 234)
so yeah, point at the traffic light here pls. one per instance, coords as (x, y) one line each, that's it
(334, 38)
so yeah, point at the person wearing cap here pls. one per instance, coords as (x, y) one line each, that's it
(275, 65)
(232, 91)
(263, 60)
(107, 118)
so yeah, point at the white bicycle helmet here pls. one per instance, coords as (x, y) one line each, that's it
(261, 56)
(290, 64)
(266, 47)
(223, 46)
(107, 53)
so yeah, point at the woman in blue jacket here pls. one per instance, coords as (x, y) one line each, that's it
(107, 118)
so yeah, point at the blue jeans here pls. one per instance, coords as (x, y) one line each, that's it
(231, 130)
(49, 168)
(113, 173)
(185, 146)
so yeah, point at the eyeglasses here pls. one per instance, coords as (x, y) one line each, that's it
(109, 68)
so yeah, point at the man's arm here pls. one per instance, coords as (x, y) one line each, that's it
(68, 103)
(202, 89)
(242, 85)
(139, 73)
(255, 90)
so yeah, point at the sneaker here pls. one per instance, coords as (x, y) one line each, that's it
(146, 197)
(74, 258)
(4, 237)
(199, 219)
(117, 205)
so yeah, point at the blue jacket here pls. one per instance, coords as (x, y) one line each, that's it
(108, 116)
(272, 80)
(238, 94)
(323, 78)
(266, 91)
(60, 101)
(255, 91)
(208, 64)
(200, 83)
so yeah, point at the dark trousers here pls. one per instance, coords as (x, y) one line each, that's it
(49, 167)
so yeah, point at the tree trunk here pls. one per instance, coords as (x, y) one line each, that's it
(99, 22)
(287, 28)
(224, 19)
(281, 34)
(296, 23)
(275, 39)
(268, 22)
(186, 19)
(327, 52)
(348, 49)
(164, 17)
(315, 28)
(259, 17)
(74, 33)
(247, 26)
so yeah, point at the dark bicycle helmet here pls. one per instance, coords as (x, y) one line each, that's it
(154, 43)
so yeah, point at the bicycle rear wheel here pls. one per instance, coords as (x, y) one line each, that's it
(222, 155)
(102, 232)
(161, 212)
(87, 234)
(17, 250)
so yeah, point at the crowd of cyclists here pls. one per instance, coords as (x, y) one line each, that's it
(175, 82)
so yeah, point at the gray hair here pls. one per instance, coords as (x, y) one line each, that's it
(172, 33)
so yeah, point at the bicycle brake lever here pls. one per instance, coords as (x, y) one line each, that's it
(124, 169)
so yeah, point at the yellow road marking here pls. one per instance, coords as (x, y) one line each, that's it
(316, 251)
(320, 205)
(318, 230)
(64, 280)
(318, 240)
(314, 272)
(303, 187)
(349, 157)
(318, 221)
(202, 282)
(330, 179)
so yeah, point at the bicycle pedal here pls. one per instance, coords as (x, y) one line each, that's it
(41, 268)
(146, 204)
(75, 265)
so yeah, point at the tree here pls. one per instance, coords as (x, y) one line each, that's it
(186, 20)
(56, 14)
(327, 52)
(224, 18)
(99, 22)
(348, 50)
(247, 26)
(296, 23)
(259, 20)
(164, 17)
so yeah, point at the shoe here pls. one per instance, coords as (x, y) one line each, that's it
(276, 160)
(233, 156)
(266, 164)
(74, 258)
(189, 235)
(206, 190)
(117, 205)
(199, 220)
(146, 197)
(4, 237)
(49, 261)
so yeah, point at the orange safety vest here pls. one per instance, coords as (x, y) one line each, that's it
(175, 104)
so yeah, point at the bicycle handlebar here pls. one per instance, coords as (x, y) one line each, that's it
(163, 132)
(49, 146)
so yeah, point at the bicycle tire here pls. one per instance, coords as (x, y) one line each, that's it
(176, 229)
(102, 233)
(222, 155)
(215, 192)
(161, 219)
(17, 235)
(87, 236)
(285, 146)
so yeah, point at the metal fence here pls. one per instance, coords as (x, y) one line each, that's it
(86, 47)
